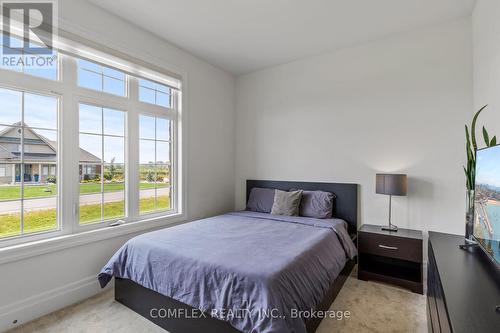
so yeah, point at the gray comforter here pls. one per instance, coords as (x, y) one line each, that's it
(251, 269)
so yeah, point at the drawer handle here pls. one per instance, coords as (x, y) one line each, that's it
(387, 247)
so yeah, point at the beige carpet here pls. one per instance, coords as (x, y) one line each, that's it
(374, 308)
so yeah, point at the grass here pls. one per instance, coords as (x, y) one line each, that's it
(42, 220)
(12, 192)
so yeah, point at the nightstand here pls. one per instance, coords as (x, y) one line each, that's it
(391, 257)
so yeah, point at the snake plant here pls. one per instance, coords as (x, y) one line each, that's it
(471, 147)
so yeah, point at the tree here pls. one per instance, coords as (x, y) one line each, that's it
(150, 177)
(112, 168)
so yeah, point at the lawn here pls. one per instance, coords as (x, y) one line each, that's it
(42, 220)
(12, 192)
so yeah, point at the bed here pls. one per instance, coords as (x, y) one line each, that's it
(241, 271)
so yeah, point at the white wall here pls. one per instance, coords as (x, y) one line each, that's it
(27, 286)
(486, 46)
(394, 105)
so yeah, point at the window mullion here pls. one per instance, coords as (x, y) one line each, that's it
(69, 156)
(21, 166)
(132, 153)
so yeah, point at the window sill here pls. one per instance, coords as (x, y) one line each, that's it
(36, 248)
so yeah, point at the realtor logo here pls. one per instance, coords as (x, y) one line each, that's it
(28, 34)
(35, 20)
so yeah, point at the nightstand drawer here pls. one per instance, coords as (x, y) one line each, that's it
(391, 246)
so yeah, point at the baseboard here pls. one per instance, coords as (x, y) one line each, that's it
(23, 311)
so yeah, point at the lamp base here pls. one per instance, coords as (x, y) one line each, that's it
(390, 227)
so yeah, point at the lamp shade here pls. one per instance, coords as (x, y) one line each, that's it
(391, 184)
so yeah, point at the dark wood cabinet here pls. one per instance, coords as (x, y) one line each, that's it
(391, 257)
(463, 287)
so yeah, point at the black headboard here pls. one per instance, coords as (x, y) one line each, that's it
(346, 202)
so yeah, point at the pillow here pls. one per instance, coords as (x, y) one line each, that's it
(286, 203)
(260, 200)
(317, 204)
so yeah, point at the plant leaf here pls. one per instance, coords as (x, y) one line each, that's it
(486, 137)
(467, 137)
(473, 126)
(493, 141)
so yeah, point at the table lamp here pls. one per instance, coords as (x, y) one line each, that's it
(391, 184)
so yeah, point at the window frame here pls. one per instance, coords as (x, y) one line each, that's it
(70, 95)
(21, 238)
(102, 76)
(173, 159)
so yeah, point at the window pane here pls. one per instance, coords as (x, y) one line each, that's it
(114, 122)
(89, 66)
(147, 84)
(147, 201)
(162, 176)
(146, 152)
(114, 205)
(162, 129)
(90, 119)
(103, 182)
(162, 152)
(10, 218)
(163, 89)
(11, 102)
(40, 148)
(9, 189)
(146, 95)
(48, 136)
(89, 80)
(114, 177)
(90, 148)
(114, 86)
(146, 127)
(10, 144)
(163, 198)
(163, 99)
(147, 175)
(40, 111)
(154, 93)
(101, 78)
(113, 73)
(46, 73)
(114, 150)
(90, 208)
(40, 215)
(90, 178)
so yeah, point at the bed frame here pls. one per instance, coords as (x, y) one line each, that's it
(191, 320)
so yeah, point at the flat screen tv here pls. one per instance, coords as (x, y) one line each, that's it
(487, 201)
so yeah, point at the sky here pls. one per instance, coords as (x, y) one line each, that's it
(102, 130)
(488, 166)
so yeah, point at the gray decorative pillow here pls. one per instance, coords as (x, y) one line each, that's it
(317, 204)
(261, 200)
(286, 203)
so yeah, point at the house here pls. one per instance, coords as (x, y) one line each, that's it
(40, 157)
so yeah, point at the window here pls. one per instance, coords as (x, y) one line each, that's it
(102, 163)
(47, 72)
(154, 93)
(28, 136)
(87, 148)
(100, 78)
(154, 168)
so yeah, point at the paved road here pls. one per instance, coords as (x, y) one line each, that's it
(7, 207)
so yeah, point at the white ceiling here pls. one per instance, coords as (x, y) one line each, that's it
(241, 36)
